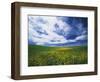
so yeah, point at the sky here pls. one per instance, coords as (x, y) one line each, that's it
(57, 30)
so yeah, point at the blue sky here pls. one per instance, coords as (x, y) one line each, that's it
(57, 30)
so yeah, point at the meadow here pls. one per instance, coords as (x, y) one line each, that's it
(45, 56)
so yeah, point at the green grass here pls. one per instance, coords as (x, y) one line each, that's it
(43, 55)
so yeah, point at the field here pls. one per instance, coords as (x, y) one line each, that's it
(44, 56)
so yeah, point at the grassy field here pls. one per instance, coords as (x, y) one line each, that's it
(43, 55)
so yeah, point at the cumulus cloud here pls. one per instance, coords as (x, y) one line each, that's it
(51, 30)
(81, 37)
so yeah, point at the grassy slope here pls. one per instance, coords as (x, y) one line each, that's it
(43, 55)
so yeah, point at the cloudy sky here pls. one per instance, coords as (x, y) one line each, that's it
(57, 30)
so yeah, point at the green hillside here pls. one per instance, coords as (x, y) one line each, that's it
(43, 55)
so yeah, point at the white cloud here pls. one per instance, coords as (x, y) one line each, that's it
(47, 24)
(49, 27)
(81, 37)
